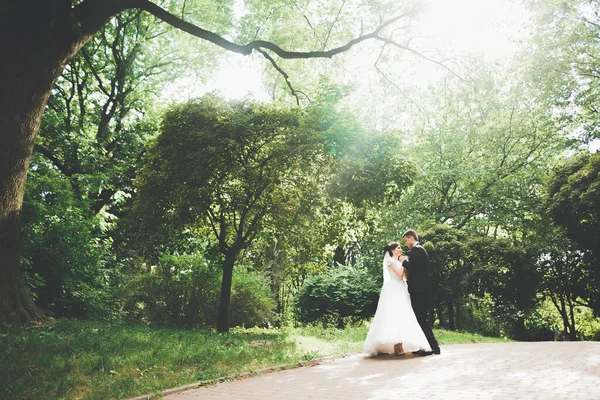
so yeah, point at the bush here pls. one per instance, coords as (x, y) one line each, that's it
(341, 295)
(252, 302)
(183, 291)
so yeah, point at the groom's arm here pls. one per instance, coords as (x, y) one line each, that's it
(418, 257)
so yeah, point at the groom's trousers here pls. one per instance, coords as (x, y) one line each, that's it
(420, 304)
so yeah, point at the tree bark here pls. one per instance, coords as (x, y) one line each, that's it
(34, 51)
(339, 256)
(225, 296)
(520, 330)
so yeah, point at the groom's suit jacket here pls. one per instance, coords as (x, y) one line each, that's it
(417, 265)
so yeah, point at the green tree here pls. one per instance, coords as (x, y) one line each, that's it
(233, 167)
(38, 38)
(563, 65)
(482, 156)
(564, 282)
(449, 270)
(64, 269)
(90, 137)
(574, 203)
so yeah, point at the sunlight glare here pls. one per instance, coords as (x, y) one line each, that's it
(491, 26)
(236, 77)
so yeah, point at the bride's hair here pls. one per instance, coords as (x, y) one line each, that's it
(390, 246)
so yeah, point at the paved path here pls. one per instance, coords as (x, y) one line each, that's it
(540, 370)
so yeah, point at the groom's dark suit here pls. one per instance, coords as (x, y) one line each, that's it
(418, 286)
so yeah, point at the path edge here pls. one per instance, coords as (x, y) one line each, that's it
(239, 375)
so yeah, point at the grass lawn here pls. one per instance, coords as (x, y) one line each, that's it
(92, 360)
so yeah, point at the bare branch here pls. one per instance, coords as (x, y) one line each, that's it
(212, 218)
(268, 17)
(183, 9)
(282, 72)
(392, 83)
(55, 161)
(423, 56)
(332, 24)
(90, 64)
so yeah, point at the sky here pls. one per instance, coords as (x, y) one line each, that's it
(488, 26)
(483, 26)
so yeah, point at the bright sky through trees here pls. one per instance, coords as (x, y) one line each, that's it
(491, 27)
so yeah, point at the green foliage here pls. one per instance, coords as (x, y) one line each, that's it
(252, 302)
(449, 270)
(344, 293)
(483, 154)
(63, 251)
(229, 169)
(373, 174)
(82, 168)
(183, 291)
(369, 169)
(287, 188)
(574, 200)
(482, 283)
(234, 165)
(563, 65)
(574, 203)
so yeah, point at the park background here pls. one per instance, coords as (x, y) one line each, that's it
(213, 207)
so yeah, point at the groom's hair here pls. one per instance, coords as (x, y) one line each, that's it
(412, 234)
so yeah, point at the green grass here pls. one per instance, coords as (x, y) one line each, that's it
(92, 360)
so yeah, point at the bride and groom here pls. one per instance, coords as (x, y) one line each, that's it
(400, 323)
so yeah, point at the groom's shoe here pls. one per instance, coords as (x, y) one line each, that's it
(436, 350)
(422, 352)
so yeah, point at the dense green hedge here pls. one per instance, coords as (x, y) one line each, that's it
(343, 294)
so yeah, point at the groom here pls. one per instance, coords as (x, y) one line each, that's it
(418, 286)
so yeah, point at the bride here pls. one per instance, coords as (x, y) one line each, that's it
(394, 329)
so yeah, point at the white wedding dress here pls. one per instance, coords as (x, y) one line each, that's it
(394, 320)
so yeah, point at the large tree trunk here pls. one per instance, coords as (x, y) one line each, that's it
(225, 296)
(19, 123)
(520, 330)
(33, 54)
(451, 324)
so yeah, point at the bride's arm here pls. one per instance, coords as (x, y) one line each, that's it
(398, 269)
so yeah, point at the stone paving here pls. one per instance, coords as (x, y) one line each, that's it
(538, 370)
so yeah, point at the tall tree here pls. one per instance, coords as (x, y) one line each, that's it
(574, 203)
(37, 39)
(562, 58)
(482, 154)
(233, 167)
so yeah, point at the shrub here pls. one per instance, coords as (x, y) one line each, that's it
(343, 294)
(252, 302)
(183, 291)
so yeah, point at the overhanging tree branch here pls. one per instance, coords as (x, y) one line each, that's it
(93, 14)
